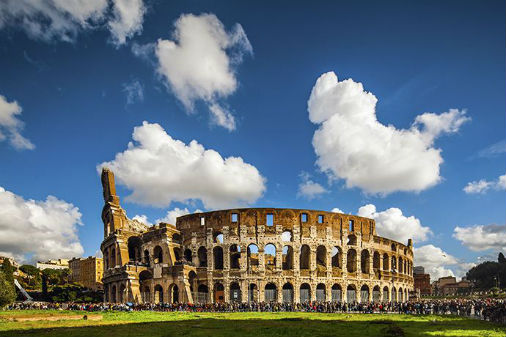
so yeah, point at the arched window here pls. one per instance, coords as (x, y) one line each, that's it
(134, 249)
(202, 256)
(218, 258)
(270, 257)
(287, 293)
(235, 292)
(146, 257)
(188, 255)
(287, 258)
(365, 261)
(286, 236)
(386, 298)
(376, 261)
(202, 294)
(218, 237)
(271, 292)
(320, 292)
(219, 293)
(336, 293)
(321, 258)
(336, 257)
(158, 254)
(351, 294)
(376, 294)
(352, 240)
(235, 257)
(158, 294)
(386, 262)
(304, 257)
(351, 261)
(305, 293)
(252, 256)
(364, 294)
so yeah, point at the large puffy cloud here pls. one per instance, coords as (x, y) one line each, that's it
(351, 144)
(159, 170)
(392, 224)
(482, 186)
(435, 261)
(11, 125)
(50, 20)
(199, 63)
(482, 237)
(36, 229)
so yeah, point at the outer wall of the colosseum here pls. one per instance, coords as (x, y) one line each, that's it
(364, 261)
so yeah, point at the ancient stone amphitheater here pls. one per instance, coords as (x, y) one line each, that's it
(250, 254)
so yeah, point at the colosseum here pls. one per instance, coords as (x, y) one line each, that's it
(250, 254)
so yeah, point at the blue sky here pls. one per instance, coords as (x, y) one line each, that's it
(415, 58)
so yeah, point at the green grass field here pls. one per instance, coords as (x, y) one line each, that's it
(123, 324)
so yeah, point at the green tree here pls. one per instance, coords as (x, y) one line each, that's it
(501, 258)
(7, 291)
(8, 270)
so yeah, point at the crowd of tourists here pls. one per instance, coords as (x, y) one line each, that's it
(487, 309)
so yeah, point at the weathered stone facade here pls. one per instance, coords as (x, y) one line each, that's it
(251, 254)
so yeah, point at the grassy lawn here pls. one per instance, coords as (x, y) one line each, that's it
(240, 325)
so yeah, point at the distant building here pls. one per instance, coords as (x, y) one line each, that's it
(13, 262)
(53, 264)
(87, 272)
(422, 283)
(419, 270)
(448, 286)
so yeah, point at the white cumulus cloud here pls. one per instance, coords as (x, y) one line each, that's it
(435, 261)
(11, 125)
(159, 170)
(482, 186)
(351, 143)
(200, 63)
(63, 20)
(482, 237)
(337, 210)
(393, 224)
(308, 188)
(38, 229)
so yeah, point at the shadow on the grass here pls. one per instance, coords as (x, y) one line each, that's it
(288, 327)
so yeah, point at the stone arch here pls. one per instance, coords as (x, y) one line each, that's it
(202, 256)
(219, 293)
(400, 264)
(364, 294)
(376, 261)
(113, 257)
(235, 256)
(177, 254)
(202, 294)
(351, 293)
(252, 256)
(336, 293)
(351, 261)
(321, 258)
(174, 293)
(321, 292)
(158, 255)
(271, 292)
(393, 297)
(305, 293)
(336, 257)
(287, 236)
(147, 259)
(158, 293)
(176, 238)
(386, 294)
(270, 257)
(304, 257)
(394, 264)
(352, 240)
(134, 249)
(365, 259)
(376, 294)
(188, 255)
(287, 255)
(218, 237)
(252, 293)
(235, 292)
(287, 293)
(386, 262)
(218, 258)
(401, 295)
